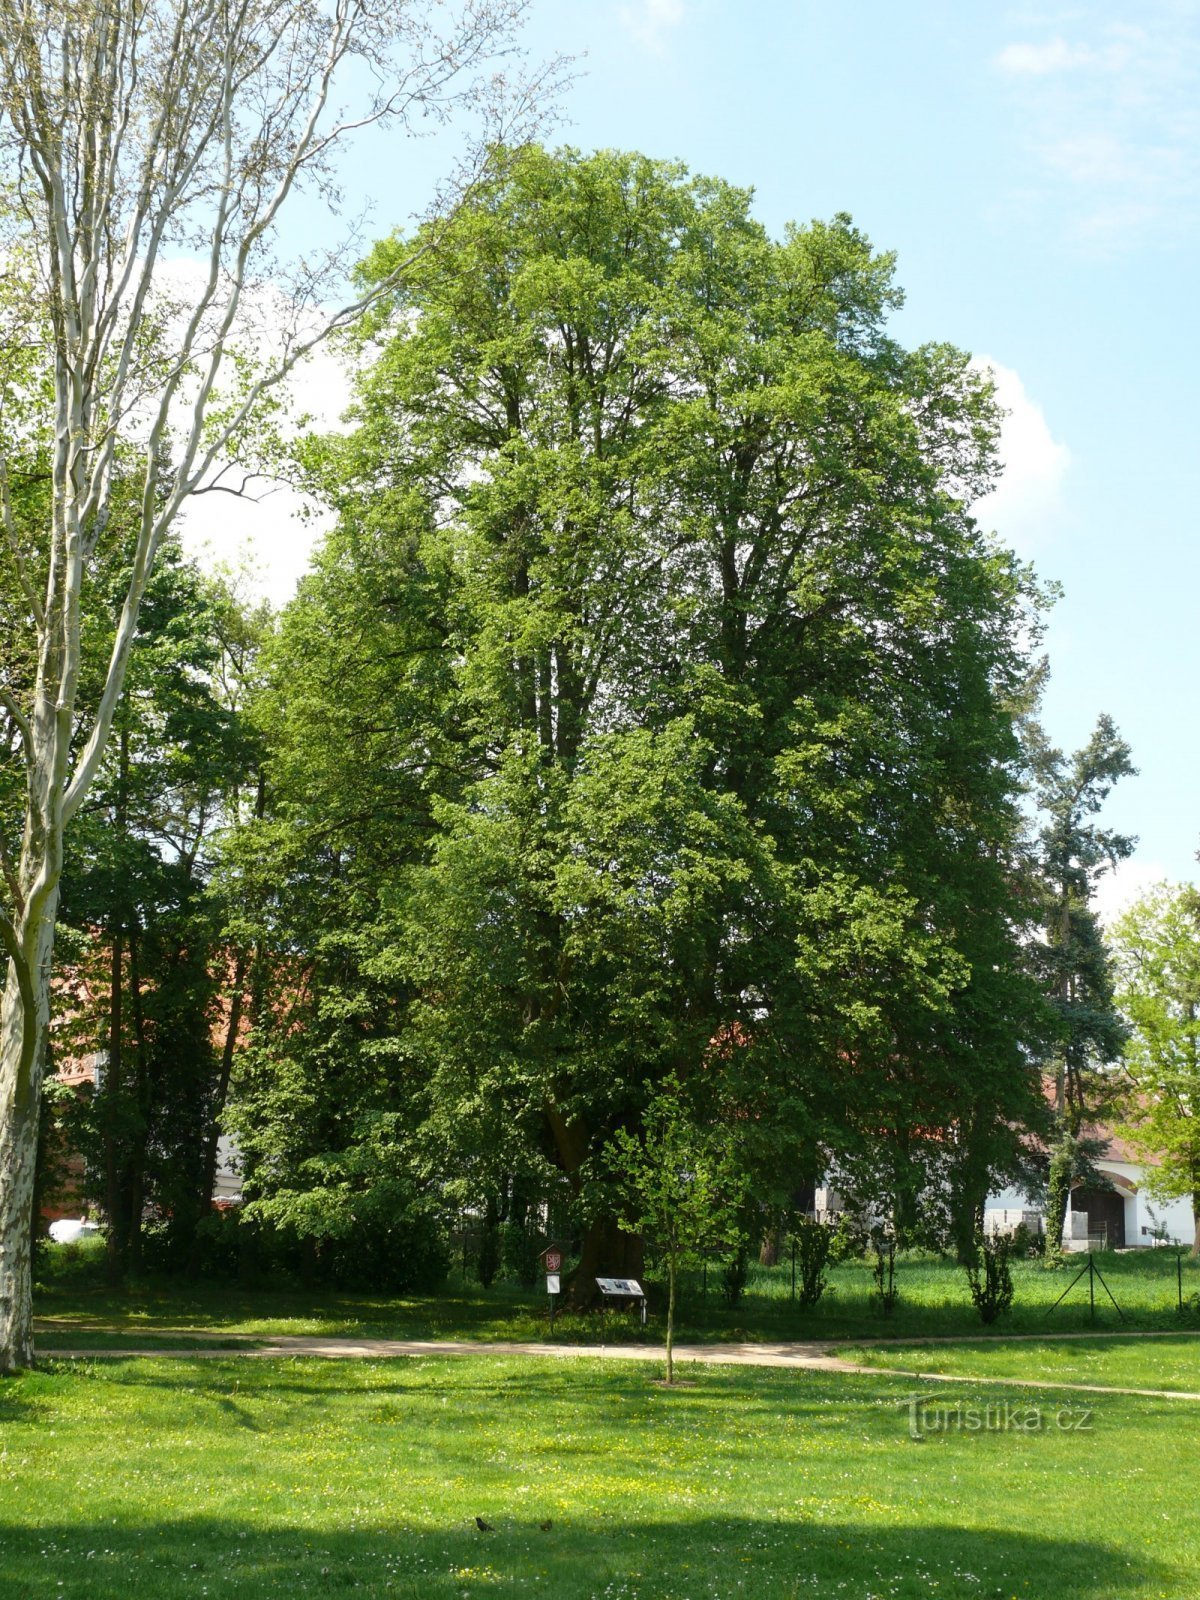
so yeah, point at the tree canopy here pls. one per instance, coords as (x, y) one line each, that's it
(1156, 952)
(650, 713)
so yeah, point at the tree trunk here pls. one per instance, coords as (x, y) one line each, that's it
(1196, 1224)
(20, 1100)
(208, 1181)
(608, 1252)
(967, 1222)
(18, 1159)
(114, 1082)
(1058, 1197)
(143, 1090)
(671, 1270)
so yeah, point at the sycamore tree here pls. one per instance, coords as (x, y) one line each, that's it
(1156, 954)
(148, 149)
(688, 685)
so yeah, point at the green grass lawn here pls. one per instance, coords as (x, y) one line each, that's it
(1167, 1363)
(934, 1300)
(252, 1478)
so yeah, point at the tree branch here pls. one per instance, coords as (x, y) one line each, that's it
(20, 721)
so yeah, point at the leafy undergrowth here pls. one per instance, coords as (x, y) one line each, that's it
(1133, 1363)
(934, 1301)
(139, 1480)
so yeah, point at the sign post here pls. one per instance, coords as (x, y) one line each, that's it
(623, 1289)
(553, 1264)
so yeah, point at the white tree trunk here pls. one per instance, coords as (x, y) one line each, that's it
(126, 130)
(20, 1095)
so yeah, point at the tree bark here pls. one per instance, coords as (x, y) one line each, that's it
(608, 1252)
(1058, 1193)
(135, 1199)
(671, 1273)
(18, 1153)
(20, 1099)
(114, 1084)
(228, 1049)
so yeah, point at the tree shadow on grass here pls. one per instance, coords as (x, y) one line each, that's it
(768, 1559)
(934, 1301)
(607, 1395)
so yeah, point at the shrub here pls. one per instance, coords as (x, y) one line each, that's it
(733, 1278)
(410, 1253)
(217, 1244)
(849, 1241)
(990, 1278)
(1026, 1242)
(80, 1262)
(883, 1244)
(814, 1243)
(384, 1238)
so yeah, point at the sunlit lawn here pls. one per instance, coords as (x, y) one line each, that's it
(245, 1478)
(1167, 1363)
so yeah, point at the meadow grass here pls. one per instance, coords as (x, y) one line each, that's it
(1134, 1363)
(76, 1308)
(139, 1480)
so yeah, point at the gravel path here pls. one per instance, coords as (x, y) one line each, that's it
(812, 1356)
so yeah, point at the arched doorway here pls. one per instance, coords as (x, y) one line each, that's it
(1105, 1210)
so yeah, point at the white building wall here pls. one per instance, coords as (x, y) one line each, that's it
(1141, 1212)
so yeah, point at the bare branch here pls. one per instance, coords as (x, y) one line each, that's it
(19, 721)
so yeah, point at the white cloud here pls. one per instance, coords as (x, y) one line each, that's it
(1029, 496)
(1120, 887)
(268, 538)
(1107, 115)
(1057, 55)
(270, 531)
(650, 21)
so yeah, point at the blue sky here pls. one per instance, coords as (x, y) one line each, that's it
(1037, 169)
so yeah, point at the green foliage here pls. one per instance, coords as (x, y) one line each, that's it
(520, 1253)
(1156, 951)
(384, 1237)
(677, 1181)
(487, 1262)
(649, 713)
(217, 1245)
(1025, 1242)
(849, 1240)
(883, 1248)
(734, 1274)
(1087, 1034)
(680, 1183)
(814, 1243)
(146, 967)
(990, 1278)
